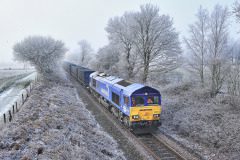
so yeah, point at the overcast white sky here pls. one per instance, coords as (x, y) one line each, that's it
(74, 20)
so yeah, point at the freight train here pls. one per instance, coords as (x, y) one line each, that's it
(137, 106)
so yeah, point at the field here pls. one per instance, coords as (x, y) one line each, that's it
(8, 77)
(10, 73)
(12, 83)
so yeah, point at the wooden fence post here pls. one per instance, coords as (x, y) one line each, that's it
(4, 118)
(13, 109)
(27, 93)
(22, 99)
(10, 116)
(16, 107)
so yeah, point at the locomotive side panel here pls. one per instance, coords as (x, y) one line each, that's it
(105, 87)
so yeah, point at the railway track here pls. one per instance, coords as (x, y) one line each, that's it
(158, 149)
(150, 142)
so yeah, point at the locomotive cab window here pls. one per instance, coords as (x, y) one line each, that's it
(126, 100)
(115, 98)
(138, 101)
(97, 84)
(153, 100)
(94, 82)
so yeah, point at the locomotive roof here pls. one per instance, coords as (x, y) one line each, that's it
(132, 88)
(120, 84)
(105, 78)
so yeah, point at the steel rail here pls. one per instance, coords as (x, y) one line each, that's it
(158, 148)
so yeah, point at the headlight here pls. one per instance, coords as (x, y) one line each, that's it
(156, 115)
(135, 116)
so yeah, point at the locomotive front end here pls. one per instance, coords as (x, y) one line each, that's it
(145, 109)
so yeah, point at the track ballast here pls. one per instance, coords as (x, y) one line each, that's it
(157, 148)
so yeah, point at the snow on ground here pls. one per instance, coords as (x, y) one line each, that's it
(207, 125)
(54, 124)
(14, 72)
(13, 92)
(9, 77)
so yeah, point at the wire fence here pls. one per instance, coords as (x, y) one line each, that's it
(16, 107)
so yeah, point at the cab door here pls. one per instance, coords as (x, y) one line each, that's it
(126, 104)
(121, 100)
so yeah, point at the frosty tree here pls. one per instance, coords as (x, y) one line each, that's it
(157, 41)
(217, 46)
(147, 40)
(107, 58)
(197, 43)
(236, 10)
(234, 74)
(120, 32)
(45, 53)
(86, 52)
(83, 55)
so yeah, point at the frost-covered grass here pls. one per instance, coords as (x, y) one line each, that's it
(9, 77)
(24, 84)
(54, 124)
(11, 90)
(10, 73)
(8, 82)
(208, 125)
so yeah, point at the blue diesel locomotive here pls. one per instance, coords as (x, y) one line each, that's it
(136, 105)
